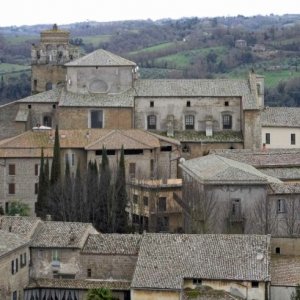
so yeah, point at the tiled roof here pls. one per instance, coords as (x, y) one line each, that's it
(123, 244)
(285, 188)
(263, 158)
(10, 241)
(51, 96)
(29, 143)
(82, 284)
(284, 174)
(199, 136)
(285, 270)
(100, 57)
(207, 293)
(62, 235)
(166, 259)
(197, 88)
(281, 117)
(23, 226)
(125, 99)
(214, 169)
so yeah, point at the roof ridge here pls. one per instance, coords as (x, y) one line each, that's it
(101, 138)
(132, 138)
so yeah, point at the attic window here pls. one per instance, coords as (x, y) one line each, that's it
(197, 281)
(54, 106)
(254, 284)
(133, 151)
(29, 106)
(108, 152)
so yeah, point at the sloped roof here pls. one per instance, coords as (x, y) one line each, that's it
(284, 188)
(29, 143)
(285, 270)
(263, 158)
(197, 88)
(166, 259)
(123, 244)
(62, 235)
(214, 169)
(84, 284)
(23, 226)
(100, 57)
(284, 174)
(281, 117)
(10, 241)
(51, 96)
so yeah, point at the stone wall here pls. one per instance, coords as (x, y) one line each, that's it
(252, 130)
(9, 282)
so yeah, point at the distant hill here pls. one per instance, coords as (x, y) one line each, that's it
(184, 48)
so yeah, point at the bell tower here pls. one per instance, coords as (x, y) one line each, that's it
(48, 59)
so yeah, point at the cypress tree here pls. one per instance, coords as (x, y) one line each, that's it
(79, 201)
(67, 205)
(41, 204)
(92, 191)
(105, 211)
(55, 168)
(120, 199)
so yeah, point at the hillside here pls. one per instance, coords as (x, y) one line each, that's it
(184, 48)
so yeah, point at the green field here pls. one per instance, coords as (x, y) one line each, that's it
(154, 48)
(95, 39)
(12, 68)
(272, 78)
(20, 39)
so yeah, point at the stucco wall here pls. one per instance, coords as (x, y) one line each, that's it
(252, 129)
(281, 137)
(83, 80)
(13, 282)
(151, 294)
(200, 107)
(281, 292)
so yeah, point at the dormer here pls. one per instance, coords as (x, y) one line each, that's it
(100, 72)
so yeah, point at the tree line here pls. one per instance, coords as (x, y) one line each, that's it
(90, 196)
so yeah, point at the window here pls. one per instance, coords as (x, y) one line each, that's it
(11, 188)
(89, 273)
(23, 260)
(49, 84)
(188, 103)
(135, 199)
(132, 170)
(280, 206)
(66, 158)
(145, 201)
(163, 223)
(254, 284)
(15, 295)
(189, 121)
(135, 219)
(235, 207)
(226, 103)
(152, 167)
(29, 106)
(12, 267)
(54, 106)
(96, 119)
(166, 148)
(227, 121)
(197, 281)
(133, 151)
(151, 122)
(293, 139)
(73, 159)
(55, 255)
(36, 188)
(34, 84)
(47, 121)
(151, 103)
(277, 250)
(108, 152)
(162, 204)
(17, 265)
(11, 169)
(36, 170)
(268, 138)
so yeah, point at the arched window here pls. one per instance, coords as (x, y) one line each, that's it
(189, 122)
(151, 122)
(227, 121)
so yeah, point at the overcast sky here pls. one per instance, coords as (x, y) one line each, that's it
(29, 12)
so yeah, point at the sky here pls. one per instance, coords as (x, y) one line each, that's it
(31, 12)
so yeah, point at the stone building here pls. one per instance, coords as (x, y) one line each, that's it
(48, 59)
(223, 195)
(147, 155)
(170, 264)
(154, 206)
(281, 127)
(14, 265)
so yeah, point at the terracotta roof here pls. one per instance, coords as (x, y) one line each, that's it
(199, 136)
(285, 270)
(123, 244)
(281, 117)
(10, 241)
(62, 235)
(215, 169)
(82, 284)
(263, 158)
(23, 226)
(284, 174)
(51, 96)
(100, 57)
(197, 88)
(166, 259)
